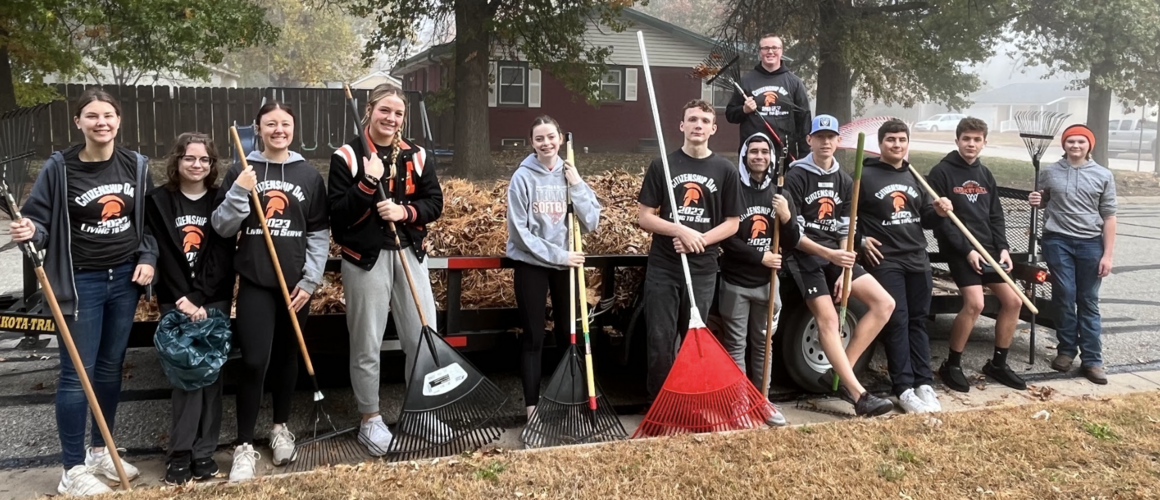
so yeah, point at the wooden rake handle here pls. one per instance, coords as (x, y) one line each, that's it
(259, 210)
(978, 246)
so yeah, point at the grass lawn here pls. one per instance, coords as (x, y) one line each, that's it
(1091, 448)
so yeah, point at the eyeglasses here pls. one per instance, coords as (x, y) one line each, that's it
(770, 49)
(204, 160)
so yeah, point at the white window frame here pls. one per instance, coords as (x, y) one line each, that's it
(617, 96)
(507, 66)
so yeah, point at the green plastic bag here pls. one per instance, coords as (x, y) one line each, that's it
(192, 354)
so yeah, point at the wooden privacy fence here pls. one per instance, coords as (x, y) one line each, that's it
(152, 117)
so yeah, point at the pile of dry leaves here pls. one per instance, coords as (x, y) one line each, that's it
(474, 223)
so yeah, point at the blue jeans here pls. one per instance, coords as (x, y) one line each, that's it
(106, 301)
(1074, 266)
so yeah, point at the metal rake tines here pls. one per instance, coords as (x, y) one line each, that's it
(721, 68)
(1038, 129)
(464, 424)
(557, 423)
(342, 449)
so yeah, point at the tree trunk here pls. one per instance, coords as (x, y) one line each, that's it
(7, 88)
(472, 54)
(835, 78)
(1099, 110)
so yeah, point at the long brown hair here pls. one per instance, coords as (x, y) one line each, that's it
(380, 92)
(173, 177)
(94, 94)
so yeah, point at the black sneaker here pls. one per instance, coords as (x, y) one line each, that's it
(177, 471)
(870, 405)
(204, 468)
(1004, 375)
(953, 377)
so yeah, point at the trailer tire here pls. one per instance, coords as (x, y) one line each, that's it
(804, 360)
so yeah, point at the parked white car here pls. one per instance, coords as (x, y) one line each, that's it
(940, 122)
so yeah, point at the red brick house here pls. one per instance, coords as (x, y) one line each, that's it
(519, 93)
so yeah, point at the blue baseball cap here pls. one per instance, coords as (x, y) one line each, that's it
(824, 122)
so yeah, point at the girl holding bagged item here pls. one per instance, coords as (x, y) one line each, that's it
(372, 273)
(537, 226)
(294, 199)
(86, 211)
(196, 274)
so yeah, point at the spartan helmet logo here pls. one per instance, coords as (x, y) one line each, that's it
(899, 200)
(111, 206)
(192, 239)
(276, 203)
(760, 224)
(693, 193)
(770, 98)
(825, 208)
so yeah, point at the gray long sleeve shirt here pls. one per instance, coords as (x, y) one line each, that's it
(1078, 199)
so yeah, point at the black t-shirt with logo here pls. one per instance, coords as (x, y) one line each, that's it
(893, 209)
(192, 224)
(100, 209)
(706, 191)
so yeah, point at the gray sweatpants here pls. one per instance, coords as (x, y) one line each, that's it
(743, 315)
(370, 297)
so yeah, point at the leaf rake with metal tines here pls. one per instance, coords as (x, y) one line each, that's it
(1037, 129)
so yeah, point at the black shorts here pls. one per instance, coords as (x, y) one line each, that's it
(965, 275)
(815, 275)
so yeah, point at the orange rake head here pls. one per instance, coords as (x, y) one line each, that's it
(704, 392)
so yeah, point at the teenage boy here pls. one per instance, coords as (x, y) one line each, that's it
(705, 186)
(743, 300)
(821, 195)
(962, 178)
(776, 95)
(893, 210)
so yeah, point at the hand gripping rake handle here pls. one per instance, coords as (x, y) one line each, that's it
(848, 274)
(66, 336)
(694, 314)
(774, 247)
(978, 246)
(260, 212)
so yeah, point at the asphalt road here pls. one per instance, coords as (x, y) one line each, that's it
(1130, 306)
(1054, 152)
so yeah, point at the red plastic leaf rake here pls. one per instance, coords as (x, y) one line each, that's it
(705, 391)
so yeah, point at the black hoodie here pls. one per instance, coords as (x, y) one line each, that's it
(182, 227)
(782, 99)
(741, 262)
(894, 209)
(972, 190)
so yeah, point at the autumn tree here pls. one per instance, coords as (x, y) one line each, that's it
(318, 43)
(131, 37)
(1116, 43)
(548, 34)
(887, 51)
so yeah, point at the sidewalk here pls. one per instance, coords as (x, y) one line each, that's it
(31, 483)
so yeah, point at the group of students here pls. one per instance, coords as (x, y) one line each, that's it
(726, 226)
(107, 232)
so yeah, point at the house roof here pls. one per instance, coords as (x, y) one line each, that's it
(1039, 92)
(636, 16)
(379, 73)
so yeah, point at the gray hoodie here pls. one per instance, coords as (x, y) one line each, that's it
(537, 209)
(1078, 198)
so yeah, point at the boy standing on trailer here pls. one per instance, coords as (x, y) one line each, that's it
(970, 186)
(705, 186)
(894, 209)
(821, 193)
(745, 266)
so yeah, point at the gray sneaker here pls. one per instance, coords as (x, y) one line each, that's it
(776, 418)
(282, 442)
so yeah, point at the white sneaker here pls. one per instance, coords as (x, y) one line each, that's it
(433, 430)
(911, 403)
(375, 435)
(245, 463)
(929, 397)
(282, 442)
(102, 463)
(777, 419)
(80, 481)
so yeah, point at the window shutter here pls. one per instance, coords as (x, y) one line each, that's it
(630, 84)
(707, 93)
(492, 89)
(533, 88)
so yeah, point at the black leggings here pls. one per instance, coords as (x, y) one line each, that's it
(266, 337)
(532, 284)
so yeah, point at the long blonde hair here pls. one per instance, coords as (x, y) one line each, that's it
(380, 92)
